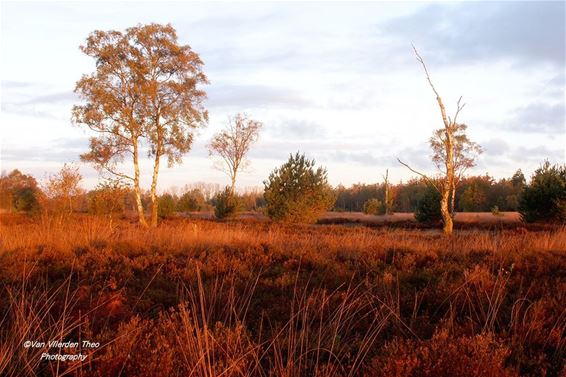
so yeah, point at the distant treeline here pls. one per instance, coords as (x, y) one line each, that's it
(473, 194)
(21, 192)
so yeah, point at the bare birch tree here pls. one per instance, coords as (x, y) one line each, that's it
(233, 144)
(145, 88)
(453, 153)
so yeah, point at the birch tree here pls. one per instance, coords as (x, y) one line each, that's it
(233, 144)
(465, 154)
(453, 153)
(63, 187)
(145, 89)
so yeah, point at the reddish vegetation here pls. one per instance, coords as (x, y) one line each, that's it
(249, 298)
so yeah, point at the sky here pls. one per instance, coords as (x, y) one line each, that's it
(337, 81)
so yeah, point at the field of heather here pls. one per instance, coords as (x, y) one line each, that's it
(255, 298)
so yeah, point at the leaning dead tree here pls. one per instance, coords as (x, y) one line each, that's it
(453, 154)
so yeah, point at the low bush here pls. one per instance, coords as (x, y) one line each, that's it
(166, 205)
(428, 207)
(191, 201)
(226, 204)
(544, 199)
(373, 207)
(495, 211)
(445, 356)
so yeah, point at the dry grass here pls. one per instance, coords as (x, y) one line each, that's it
(249, 298)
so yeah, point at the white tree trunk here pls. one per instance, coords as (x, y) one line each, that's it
(153, 192)
(448, 185)
(137, 189)
(453, 201)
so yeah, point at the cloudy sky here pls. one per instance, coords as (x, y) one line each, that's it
(338, 81)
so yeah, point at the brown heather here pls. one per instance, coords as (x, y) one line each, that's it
(251, 298)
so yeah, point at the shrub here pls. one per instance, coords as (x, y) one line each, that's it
(191, 201)
(107, 199)
(373, 207)
(297, 192)
(19, 192)
(474, 198)
(443, 355)
(226, 204)
(252, 201)
(428, 207)
(166, 205)
(544, 199)
(495, 211)
(63, 189)
(26, 200)
(512, 202)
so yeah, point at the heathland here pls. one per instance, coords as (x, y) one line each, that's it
(257, 298)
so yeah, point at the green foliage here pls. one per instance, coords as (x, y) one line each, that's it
(296, 192)
(166, 205)
(374, 207)
(518, 180)
(544, 199)
(252, 201)
(352, 199)
(428, 207)
(473, 193)
(226, 204)
(408, 195)
(191, 201)
(107, 198)
(26, 200)
(495, 211)
(512, 202)
(19, 192)
(474, 198)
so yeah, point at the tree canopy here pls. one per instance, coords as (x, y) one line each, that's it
(233, 143)
(146, 87)
(297, 191)
(544, 199)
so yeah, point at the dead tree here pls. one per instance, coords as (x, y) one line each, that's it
(452, 153)
(386, 192)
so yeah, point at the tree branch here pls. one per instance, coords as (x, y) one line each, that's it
(111, 171)
(458, 108)
(430, 181)
(438, 99)
(420, 59)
